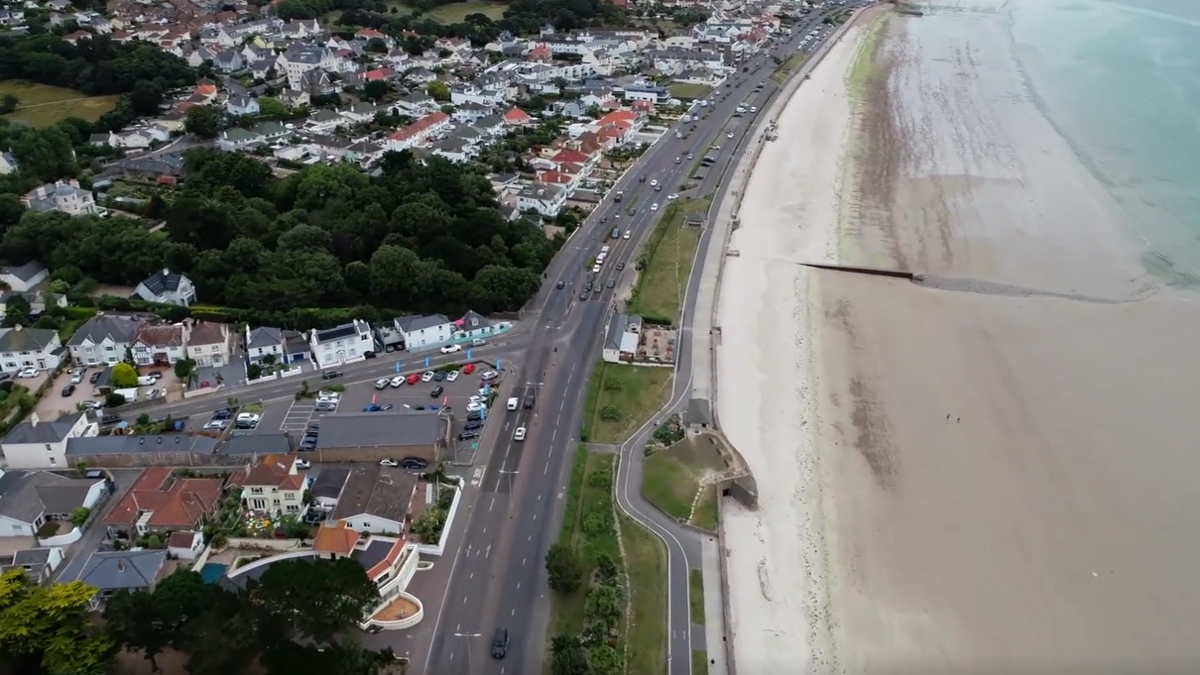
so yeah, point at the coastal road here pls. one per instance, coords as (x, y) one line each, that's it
(497, 577)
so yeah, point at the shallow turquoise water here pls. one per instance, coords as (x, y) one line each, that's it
(1120, 80)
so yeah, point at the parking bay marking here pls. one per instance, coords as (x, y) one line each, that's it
(477, 477)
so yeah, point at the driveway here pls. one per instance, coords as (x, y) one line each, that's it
(77, 553)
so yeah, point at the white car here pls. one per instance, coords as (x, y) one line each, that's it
(475, 399)
(329, 394)
(382, 383)
(452, 376)
(302, 464)
(427, 376)
(672, 196)
(628, 233)
(450, 349)
(519, 434)
(28, 372)
(248, 417)
(489, 375)
(474, 407)
(398, 381)
(478, 342)
(76, 376)
(653, 183)
(729, 135)
(216, 425)
(654, 206)
(389, 462)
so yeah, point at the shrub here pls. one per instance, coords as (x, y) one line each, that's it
(49, 529)
(124, 376)
(610, 413)
(114, 400)
(80, 515)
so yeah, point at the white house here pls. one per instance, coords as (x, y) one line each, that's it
(168, 288)
(425, 332)
(8, 163)
(208, 344)
(241, 106)
(273, 485)
(376, 499)
(30, 498)
(621, 338)
(23, 278)
(346, 343)
(545, 199)
(162, 345)
(34, 444)
(103, 339)
(65, 196)
(264, 342)
(22, 347)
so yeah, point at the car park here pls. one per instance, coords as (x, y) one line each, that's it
(427, 376)
(382, 383)
(450, 349)
(452, 376)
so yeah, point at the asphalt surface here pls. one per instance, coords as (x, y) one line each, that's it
(497, 576)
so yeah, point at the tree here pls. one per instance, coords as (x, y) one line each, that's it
(440, 91)
(124, 376)
(610, 413)
(272, 107)
(605, 602)
(567, 656)
(48, 625)
(8, 103)
(185, 370)
(203, 121)
(315, 599)
(562, 564)
(80, 516)
(376, 90)
(604, 660)
(17, 310)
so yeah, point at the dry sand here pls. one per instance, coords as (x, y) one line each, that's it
(1000, 479)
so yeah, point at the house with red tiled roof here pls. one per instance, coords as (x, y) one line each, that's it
(414, 134)
(159, 502)
(516, 117)
(274, 485)
(162, 344)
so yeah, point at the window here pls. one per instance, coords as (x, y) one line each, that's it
(216, 348)
(289, 496)
(366, 524)
(53, 462)
(110, 348)
(256, 491)
(48, 448)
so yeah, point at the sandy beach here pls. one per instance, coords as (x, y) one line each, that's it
(994, 469)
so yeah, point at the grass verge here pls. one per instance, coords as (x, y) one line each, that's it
(455, 12)
(699, 662)
(704, 516)
(646, 562)
(788, 66)
(667, 263)
(42, 105)
(671, 478)
(688, 91)
(622, 398)
(696, 595)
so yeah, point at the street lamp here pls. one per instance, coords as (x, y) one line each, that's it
(468, 636)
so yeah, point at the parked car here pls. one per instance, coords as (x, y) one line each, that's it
(450, 349)
(68, 390)
(303, 464)
(427, 376)
(397, 381)
(222, 413)
(489, 376)
(452, 376)
(413, 379)
(109, 418)
(216, 425)
(382, 383)
(308, 444)
(28, 372)
(436, 392)
(92, 404)
(414, 463)
(95, 376)
(468, 435)
(377, 407)
(468, 369)
(473, 424)
(439, 376)
(325, 406)
(76, 376)
(477, 342)
(330, 375)
(389, 462)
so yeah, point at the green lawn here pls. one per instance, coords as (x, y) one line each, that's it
(671, 477)
(42, 105)
(455, 12)
(696, 595)
(704, 516)
(788, 66)
(667, 264)
(699, 662)
(634, 393)
(646, 561)
(688, 92)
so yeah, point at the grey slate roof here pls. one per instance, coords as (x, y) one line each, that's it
(24, 272)
(265, 336)
(114, 570)
(32, 557)
(379, 491)
(473, 320)
(329, 482)
(374, 553)
(416, 322)
(43, 432)
(26, 339)
(379, 429)
(118, 328)
(250, 444)
(26, 495)
(94, 446)
(616, 328)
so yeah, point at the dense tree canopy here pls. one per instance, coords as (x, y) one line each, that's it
(46, 628)
(419, 237)
(94, 67)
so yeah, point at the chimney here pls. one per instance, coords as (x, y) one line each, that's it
(33, 419)
(17, 328)
(120, 565)
(166, 272)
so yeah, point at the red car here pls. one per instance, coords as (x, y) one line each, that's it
(413, 379)
(468, 369)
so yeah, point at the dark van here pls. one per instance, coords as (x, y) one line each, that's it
(529, 399)
(500, 643)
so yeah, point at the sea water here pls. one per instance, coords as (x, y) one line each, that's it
(1120, 80)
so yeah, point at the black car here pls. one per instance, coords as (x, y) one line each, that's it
(439, 376)
(313, 427)
(474, 415)
(309, 443)
(414, 463)
(473, 424)
(583, 296)
(95, 376)
(437, 391)
(620, 266)
(560, 284)
(110, 418)
(68, 390)
(612, 283)
(500, 643)
(330, 375)
(222, 414)
(418, 407)
(633, 212)
(469, 434)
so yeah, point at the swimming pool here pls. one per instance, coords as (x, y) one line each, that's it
(212, 572)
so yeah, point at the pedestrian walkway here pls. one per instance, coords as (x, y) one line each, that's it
(714, 608)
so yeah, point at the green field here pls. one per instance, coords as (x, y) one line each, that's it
(667, 264)
(689, 92)
(788, 66)
(42, 105)
(704, 516)
(634, 393)
(455, 12)
(672, 477)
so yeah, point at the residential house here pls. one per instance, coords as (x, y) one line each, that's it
(328, 486)
(208, 344)
(238, 139)
(346, 343)
(168, 288)
(38, 564)
(241, 106)
(228, 61)
(415, 104)
(264, 345)
(28, 499)
(515, 117)
(23, 278)
(272, 486)
(424, 332)
(185, 545)
(675, 61)
(364, 152)
(473, 326)
(104, 339)
(546, 200)
(622, 338)
(375, 499)
(296, 347)
(416, 133)
(325, 121)
(38, 301)
(110, 572)
(159, 502)
(159, 345)
(65, 196)
(8, 163)
(299, 60)
(360, 113)
(34, 444)
(22, 348)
